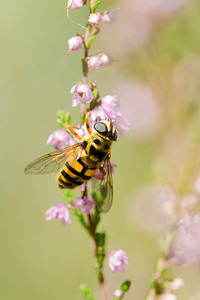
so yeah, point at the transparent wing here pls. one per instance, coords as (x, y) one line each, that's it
(102, 189)
(51, 162)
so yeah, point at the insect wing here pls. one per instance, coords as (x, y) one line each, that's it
(51, 162)
(102, 189)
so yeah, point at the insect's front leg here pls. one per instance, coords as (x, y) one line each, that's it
(87, 124)
(70, 128)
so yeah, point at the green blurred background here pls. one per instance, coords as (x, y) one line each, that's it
(41, 260)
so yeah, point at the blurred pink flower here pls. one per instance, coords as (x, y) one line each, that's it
(75, 4)
(82, 94)
(75, 43)
(141, 107)
(160, 200)
(84, 204)
(59, 211)
(117, 259)
(137, 21)
(60, 139)
(109, 16)
(118, 293)
(187, 240)
(99, 60)
(174, 285)
(82, 187)
(167, 296)
(95, 19)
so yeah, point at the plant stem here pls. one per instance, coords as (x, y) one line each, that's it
(94, 246)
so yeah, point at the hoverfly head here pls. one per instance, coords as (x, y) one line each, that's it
(106, 128)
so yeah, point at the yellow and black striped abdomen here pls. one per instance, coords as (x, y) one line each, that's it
(74, 173)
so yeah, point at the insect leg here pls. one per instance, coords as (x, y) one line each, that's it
(87, 125)
(70, 128)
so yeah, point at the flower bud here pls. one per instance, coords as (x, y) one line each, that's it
(167, 296)
(118, 293)
(75, 43)
(99, 60)
(95, 19)
(109, 16)
(75, 4)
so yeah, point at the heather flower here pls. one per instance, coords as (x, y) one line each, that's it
(108, 109)
(99, 60)
(82, 94)
(75, 43)
(84, 204)
(167, 296)
(59, 211)
(141, 107)
(75, 4)
(95, 19)
(60, 139)
(99, 174)
(117, 259)
(109, 16)
(118, 293)
(82, 187)
(121, 123)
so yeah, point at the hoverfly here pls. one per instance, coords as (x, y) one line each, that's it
(78, 163)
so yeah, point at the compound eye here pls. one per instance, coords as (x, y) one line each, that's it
(101, 128)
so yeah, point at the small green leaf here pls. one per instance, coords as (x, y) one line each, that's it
(86, 292)
(96, 4)
(63, 118)
(124, 287)
(100, 239)
(92, 37)
(67, 194)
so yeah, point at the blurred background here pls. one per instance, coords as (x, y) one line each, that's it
(156, 79)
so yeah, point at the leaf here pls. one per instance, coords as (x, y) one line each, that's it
(96, 4)
(124, 287)
(86, 292)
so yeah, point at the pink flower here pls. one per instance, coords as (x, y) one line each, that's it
(118, 293)
(99, 173)
(117, 259)
(60, 139)
(82, 187)
(59, 211)
(187, 241)
(75, 4)
(99, 60)
(95, 19)
(75, 43)
(108, 109)
(109, 16)
(141, 107)
(82, 94)
(84, 204)
(167, 296)
(174, 285)
(121, 123)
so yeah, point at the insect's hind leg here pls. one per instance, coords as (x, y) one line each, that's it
(87, 125)
(70, 128)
